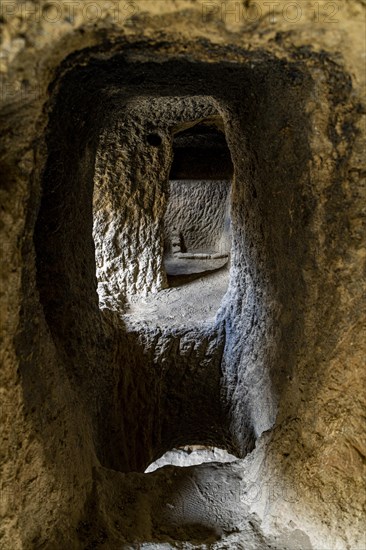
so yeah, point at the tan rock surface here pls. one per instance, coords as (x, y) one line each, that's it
(278, 380)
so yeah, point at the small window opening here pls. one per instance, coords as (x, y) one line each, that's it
(190, 455)
(154, 140)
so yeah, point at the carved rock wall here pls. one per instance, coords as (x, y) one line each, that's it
(88, 401)
(199, 211)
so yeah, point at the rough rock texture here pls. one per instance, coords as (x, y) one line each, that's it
(192, 299)
(199, 211)
(131, 185)
(88, 400)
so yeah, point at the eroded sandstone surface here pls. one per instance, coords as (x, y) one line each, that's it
(98, 103)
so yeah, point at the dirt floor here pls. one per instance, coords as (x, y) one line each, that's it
(195, 294)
